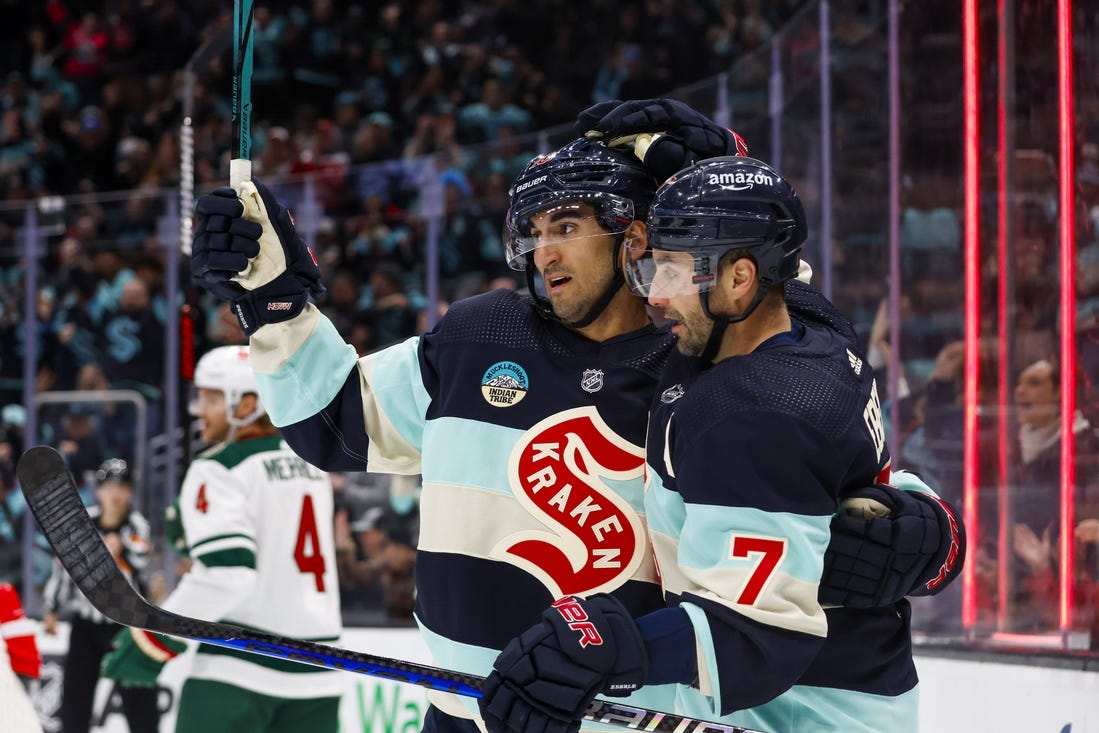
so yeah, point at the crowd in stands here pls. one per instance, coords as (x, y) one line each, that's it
(92, 103)
(92, 93)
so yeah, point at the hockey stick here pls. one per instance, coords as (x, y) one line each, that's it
(52, 496)
(240, 166)
(213, 48)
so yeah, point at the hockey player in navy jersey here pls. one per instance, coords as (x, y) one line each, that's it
(525, 414)
(766, 416)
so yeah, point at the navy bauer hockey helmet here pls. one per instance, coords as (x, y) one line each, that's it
(584, 178)
(613, 182)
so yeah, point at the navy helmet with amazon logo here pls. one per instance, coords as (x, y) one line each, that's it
(732, 203)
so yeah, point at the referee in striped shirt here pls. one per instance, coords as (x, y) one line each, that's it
(126, 533)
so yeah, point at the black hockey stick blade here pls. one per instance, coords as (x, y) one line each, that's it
(53, 498)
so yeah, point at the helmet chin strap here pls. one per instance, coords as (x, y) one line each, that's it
(545, 307)
(236, 423)
(717, 333)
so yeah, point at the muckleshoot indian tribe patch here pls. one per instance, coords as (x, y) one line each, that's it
(504, 384)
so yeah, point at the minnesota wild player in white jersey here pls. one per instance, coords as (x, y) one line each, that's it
(258, 524)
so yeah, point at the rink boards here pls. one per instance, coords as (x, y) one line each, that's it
(959, 694)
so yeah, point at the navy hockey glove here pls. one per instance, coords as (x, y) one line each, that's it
(888, 543)
(667, 135)
(258, 262)
(545, 679)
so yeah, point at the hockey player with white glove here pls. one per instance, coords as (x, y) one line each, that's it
(247, 252)
(499, 377)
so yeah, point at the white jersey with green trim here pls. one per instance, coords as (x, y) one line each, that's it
(258, 522)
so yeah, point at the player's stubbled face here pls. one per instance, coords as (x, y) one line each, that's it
(574, 257)
(690, 325)
(674, 292)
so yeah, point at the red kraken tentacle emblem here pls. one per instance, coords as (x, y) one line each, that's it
(595, 540)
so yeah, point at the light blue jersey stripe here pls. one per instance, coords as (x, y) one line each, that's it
(709, 528)
(633, 491)
(310, 379)
(803, 709)
(664, 508)
(485, 469)
(705, 640)
(454, 655)
(909, 482)
(481, 459)
(398, 389)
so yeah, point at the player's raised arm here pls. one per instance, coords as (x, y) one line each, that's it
(248, 252)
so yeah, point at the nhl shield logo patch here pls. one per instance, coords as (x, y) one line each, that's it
(504, 384)
(671, 394)
(592, 381)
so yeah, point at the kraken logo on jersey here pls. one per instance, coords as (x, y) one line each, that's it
(505, 384)
(559, 472)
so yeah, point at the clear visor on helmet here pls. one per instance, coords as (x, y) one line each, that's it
(559, 221)
(662, 273)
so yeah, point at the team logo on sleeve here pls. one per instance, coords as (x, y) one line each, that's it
(504, 384)
(594, 540)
